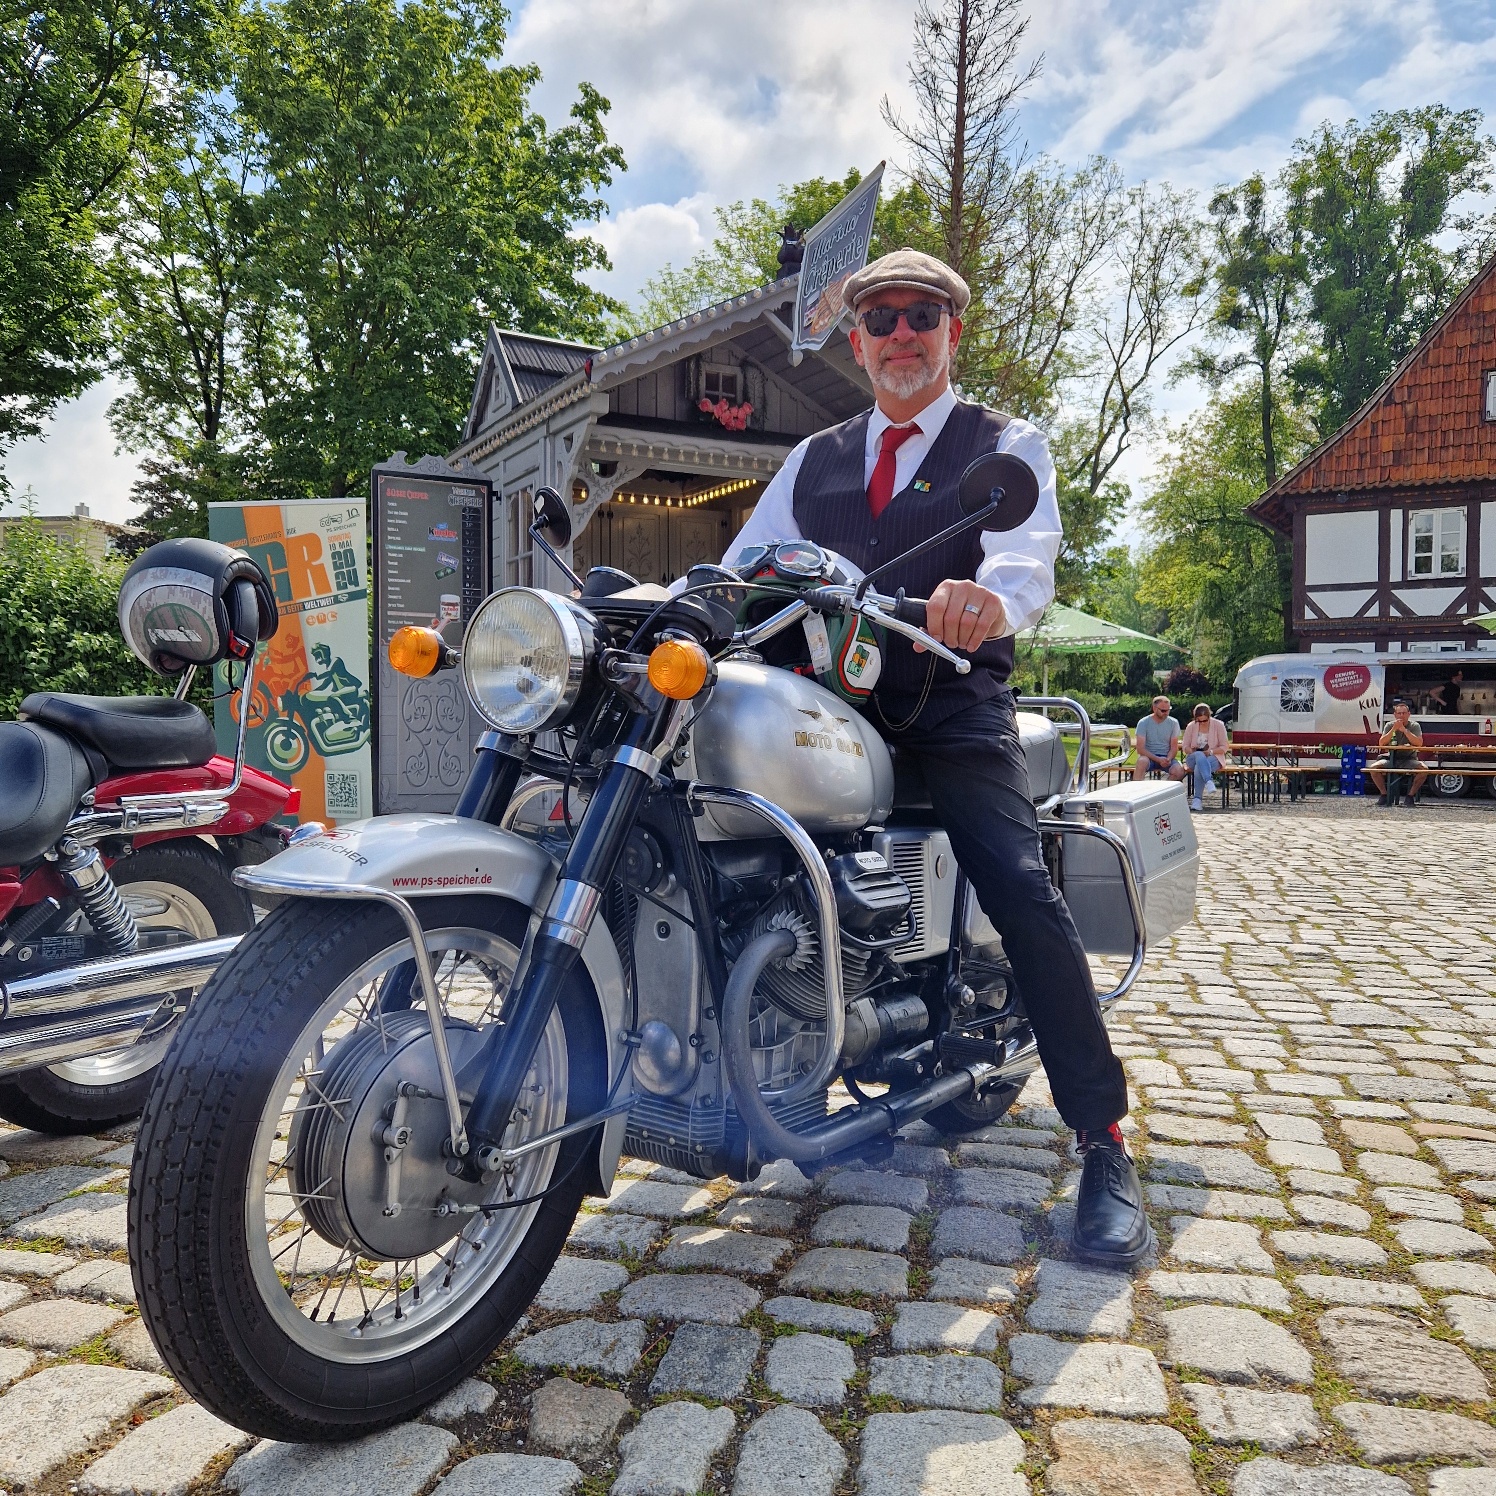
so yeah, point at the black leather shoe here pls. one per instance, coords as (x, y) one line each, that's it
(1111, 1226)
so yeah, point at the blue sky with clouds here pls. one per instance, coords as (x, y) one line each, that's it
(714, 102)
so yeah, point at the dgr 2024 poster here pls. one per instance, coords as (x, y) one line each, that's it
(309, 717)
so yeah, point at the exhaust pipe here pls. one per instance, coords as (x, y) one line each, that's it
(97, 1005)
(851, 1126)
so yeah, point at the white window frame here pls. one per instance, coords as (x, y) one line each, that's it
(1435, 537)
(1490, 394)
(519, 547)
(721, 372)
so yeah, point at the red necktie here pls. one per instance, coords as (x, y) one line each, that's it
(880, 490)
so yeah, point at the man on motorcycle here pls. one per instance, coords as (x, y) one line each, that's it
(870, 489)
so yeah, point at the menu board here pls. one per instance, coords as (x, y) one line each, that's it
(431, 569)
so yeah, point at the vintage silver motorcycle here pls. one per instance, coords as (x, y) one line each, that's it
(684, 894)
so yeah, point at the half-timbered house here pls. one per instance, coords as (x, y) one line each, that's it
(1393, 519)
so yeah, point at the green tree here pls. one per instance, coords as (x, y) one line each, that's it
(188, 332)
(318, 255)
(79, 84)
(1208, 564)
(1377, 203)
(1261, 271)
(1261, 276)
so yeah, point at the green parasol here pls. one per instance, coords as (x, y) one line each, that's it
(1065, 630)
(1486, 621)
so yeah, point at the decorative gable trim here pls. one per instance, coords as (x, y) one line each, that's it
(494, 390)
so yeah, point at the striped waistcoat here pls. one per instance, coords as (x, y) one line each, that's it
(831, 509)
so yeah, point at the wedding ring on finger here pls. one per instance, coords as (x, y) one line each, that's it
(972, 608)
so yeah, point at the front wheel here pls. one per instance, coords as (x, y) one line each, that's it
(305, 1273)
(178, 891)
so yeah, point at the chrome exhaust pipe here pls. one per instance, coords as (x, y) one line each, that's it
(97, 1005)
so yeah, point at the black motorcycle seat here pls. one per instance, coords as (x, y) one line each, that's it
(132, 732)
(43, 776)
(1043, 752)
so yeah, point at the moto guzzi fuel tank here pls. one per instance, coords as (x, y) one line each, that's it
(781, 736)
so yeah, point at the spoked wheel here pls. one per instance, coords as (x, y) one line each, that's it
(178, 891)
(305, 1262)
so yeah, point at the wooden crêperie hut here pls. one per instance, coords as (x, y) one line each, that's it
(664, 442)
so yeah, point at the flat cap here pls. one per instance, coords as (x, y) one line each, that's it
(908, 270)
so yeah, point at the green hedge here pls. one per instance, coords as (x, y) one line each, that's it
(1130, 710)
(59, 627)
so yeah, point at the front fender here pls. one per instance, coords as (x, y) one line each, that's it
(423, 855)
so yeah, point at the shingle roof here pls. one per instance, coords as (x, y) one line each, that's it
(537, 363)
(1426, 423)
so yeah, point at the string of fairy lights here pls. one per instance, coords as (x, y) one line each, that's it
(686, 501)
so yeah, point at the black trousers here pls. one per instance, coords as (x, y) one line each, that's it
(974, 766)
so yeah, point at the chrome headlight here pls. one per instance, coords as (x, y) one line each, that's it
(524, 659)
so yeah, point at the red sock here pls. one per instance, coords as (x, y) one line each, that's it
(1085, 1137)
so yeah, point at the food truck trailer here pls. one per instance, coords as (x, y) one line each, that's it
(1304, 706)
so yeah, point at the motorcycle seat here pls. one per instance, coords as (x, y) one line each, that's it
(43, 776)
(131, 732)
(1043, 752)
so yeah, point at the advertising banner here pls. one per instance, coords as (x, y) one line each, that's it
(310, 721)
(432, 536)
(834, 249)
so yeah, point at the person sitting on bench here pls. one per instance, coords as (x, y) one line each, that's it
(1401, 733)
(1205, 750)
(1157, 742)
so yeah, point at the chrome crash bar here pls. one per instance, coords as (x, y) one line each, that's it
(825, 896)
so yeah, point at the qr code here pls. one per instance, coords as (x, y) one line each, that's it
(342, 794)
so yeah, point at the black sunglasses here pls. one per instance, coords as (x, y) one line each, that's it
(922, 316)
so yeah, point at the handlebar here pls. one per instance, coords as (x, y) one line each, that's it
(911, 610)
(899, 614)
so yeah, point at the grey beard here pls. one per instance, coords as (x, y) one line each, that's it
(904, 384)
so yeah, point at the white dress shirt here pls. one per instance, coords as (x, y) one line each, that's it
(1019, 565)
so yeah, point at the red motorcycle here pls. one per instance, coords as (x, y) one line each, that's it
(120, 828)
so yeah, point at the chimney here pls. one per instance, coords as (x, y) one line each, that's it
(80, 511)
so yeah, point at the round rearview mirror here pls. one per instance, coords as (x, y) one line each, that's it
(551, 515)
(1006, 479)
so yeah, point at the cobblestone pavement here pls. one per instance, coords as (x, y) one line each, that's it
(1313, 1062)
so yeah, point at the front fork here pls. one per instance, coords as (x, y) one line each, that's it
(621, 791)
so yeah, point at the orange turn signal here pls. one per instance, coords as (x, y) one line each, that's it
(416, 651)
(678, 668)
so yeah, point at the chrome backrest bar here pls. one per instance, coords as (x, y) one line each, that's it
(1082, 766)
(172, 810)
(198, 797)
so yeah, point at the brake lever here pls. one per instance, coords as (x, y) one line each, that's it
(872, 611)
